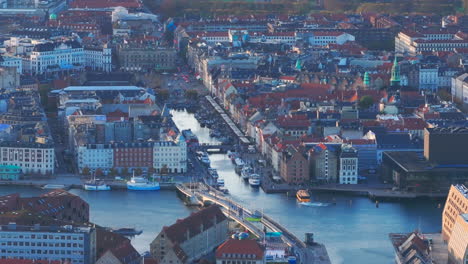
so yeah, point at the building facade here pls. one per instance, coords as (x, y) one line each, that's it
(458, 244)
(414, 43)
(459, 88)
(294, 166)
(323, 159)
(137, 58)
(33, 158)
(98, 58)
(95, 156)
(456, 204)
(136, 155)
(11, 61)
(348, 165)
(324, 38)
(56, 56)
(171, 156)
(76, 244)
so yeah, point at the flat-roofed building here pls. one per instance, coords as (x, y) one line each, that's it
(74, 243)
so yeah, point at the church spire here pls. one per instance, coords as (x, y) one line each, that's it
(366, 79)
(395, 79)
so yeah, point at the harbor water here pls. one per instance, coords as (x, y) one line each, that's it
(353, 230)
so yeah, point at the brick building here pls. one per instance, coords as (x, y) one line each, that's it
(133, 155)
(294, 167)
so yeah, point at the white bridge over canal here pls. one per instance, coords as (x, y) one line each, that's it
(198, 193)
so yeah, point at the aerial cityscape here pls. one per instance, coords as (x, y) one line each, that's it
(233, 131)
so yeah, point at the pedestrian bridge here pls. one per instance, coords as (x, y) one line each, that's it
(234, 209)
(239, 213)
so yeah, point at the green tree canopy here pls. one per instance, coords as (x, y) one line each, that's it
(365, 102)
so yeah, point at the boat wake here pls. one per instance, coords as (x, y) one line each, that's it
(317, 204)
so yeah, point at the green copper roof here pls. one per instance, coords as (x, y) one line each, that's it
(366, 79)
(395, 79)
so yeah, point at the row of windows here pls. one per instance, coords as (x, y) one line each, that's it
(39, 236)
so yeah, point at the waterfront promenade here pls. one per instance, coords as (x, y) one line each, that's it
(242, 138)
(239, 213)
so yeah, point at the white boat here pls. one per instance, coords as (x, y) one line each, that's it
(213, 172)
(239, 164)
(205, 159)
(142, 184)
(231, 154)
(245, 173)
(220, 182)
(96, 186)
(254, 180)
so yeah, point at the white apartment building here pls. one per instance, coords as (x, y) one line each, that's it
(98, 58)
(11, 61)
(414, 43)
(288, 38)
(31, 157)
(428, 77)
(56, 56)
(459, 89)
(95, 156)
(324, 38)
(348, 165)
(171, 155)
(76, 244)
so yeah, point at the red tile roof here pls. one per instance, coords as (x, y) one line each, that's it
(192, 224)
(248, 247)
(125, 252)
(298, 121)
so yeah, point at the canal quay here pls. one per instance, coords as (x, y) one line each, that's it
(351, 227)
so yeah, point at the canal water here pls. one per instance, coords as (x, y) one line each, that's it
(353, 230)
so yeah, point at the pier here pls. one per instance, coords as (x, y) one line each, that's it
(307, 254)
(242, 138)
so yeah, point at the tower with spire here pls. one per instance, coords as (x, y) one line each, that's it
(366, 80)
(395, 79)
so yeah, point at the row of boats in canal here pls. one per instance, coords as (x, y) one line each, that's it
(205, 160)
(245, 170)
